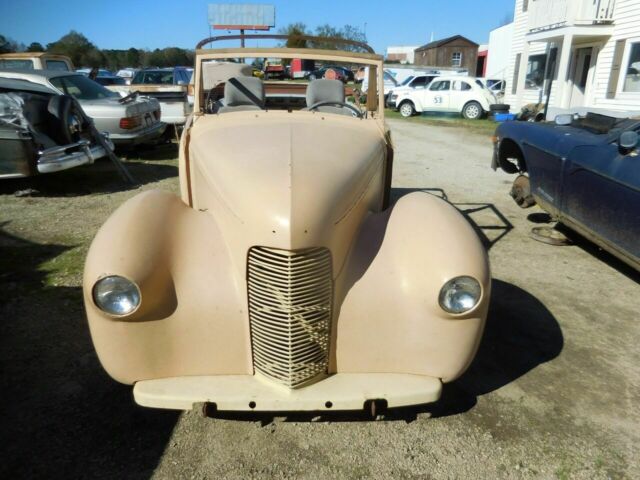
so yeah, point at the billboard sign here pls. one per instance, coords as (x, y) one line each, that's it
(237, 16)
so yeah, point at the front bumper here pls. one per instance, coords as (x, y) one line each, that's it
(391, 101)
(58, 158)
(341, 391)
(142, 136)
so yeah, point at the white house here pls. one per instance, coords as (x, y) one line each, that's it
(403, 54)
(499, 52)
(586, 53)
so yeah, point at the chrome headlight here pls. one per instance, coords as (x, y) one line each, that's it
(460, 294)
(116, 295)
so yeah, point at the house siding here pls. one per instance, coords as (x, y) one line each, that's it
(626, 26)
(441, 56)
(520, 22)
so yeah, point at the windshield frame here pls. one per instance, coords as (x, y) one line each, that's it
(375, 105)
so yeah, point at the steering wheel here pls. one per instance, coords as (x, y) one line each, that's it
(354, 111)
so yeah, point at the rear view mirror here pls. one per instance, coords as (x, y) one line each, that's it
(564, 119)
(628, 140)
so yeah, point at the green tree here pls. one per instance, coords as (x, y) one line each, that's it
(7, 45)
(348, 32)
(35, 47)
(294, 30)
(132, 58)
(78, 48)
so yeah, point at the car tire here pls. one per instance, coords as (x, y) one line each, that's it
(499, 107)
(521, 192)
(68, 124)
(472, 111)
(407, 109)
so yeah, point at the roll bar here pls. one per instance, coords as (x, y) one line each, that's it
(267, 36)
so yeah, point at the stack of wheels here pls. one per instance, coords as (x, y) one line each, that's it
(498, 108)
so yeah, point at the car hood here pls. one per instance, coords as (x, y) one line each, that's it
(549, 136)
(287, 180)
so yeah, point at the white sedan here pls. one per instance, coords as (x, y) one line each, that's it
(448, 94)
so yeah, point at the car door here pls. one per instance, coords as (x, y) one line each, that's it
(436, 97)
(461, 93)
(543, 147)
(602, 194)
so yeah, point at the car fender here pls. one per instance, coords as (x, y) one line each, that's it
(178, 259)
(390, 320)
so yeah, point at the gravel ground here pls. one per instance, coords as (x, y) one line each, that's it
(553, 393)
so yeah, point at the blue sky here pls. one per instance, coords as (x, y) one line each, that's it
(182, 23)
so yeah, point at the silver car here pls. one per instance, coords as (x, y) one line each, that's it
(130, 120)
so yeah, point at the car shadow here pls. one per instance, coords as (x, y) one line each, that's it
(591, 248)
(520, 334)
(485, 218)
(100, 177)
(62, 414)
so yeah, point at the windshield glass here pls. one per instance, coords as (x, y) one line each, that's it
(81, 88)
(57, 65)
(16, 63)
(290, 84)
(155, 77)
(407, 80)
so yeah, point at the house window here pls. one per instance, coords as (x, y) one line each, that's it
(535, 71)
(632, 73)
(456, 59)
(525, 5)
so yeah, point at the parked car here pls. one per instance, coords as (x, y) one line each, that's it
(448, 94)
(169, 86)
(274, 68)
(343, 74)
(106, 80)
(411, 83)
(41, 131)
(584, 171)
(127, 74)
(128, 121)
(35, 61)
(281, 278)
(102, 72)
(334, 72)
(389, 83)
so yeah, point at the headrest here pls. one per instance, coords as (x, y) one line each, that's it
(323, 90)
(244, 91)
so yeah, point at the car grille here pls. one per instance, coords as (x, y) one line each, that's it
(290, 299)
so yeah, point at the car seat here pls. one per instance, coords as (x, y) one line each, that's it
(243, 94)
(324, 90)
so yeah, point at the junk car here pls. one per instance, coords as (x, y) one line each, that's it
(42, 131)
(583, 170)
(281, 278)
(129, 120)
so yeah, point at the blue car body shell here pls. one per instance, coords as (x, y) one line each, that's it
(580, 176)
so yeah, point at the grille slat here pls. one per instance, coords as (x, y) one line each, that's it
(290, 303)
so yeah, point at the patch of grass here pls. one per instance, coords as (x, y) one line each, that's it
(482, 126)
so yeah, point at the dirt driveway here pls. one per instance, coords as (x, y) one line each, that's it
(553, 393)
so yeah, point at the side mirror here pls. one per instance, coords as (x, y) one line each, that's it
(564, 119)
(628, 140)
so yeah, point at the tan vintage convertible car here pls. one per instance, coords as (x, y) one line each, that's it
(281, 279)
